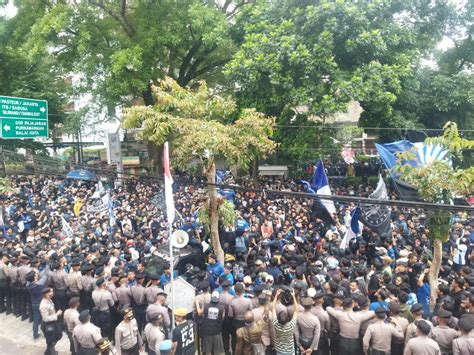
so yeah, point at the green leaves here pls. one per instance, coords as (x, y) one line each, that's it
(196, 122)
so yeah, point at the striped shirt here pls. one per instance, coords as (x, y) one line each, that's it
(284, 336)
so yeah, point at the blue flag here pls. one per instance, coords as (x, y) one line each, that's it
(308, 187)
(321, 184)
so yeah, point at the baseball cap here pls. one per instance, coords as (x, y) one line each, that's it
(180, 312)
(215, 296)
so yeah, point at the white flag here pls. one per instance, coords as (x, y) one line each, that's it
(99, 191)
(168, 185)
(67, 230)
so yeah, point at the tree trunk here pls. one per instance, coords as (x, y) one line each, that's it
(147, 95)
(255, 173)
(434, 271)
(213, 216)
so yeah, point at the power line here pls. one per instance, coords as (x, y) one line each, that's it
(346, 199)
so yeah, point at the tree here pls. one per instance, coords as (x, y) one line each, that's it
(320, 55)
(438, 182)
(195, 122)
(120, 48)
(29, 75)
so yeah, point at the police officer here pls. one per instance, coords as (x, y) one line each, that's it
(71, 320)
(88, 282)
(153, 335)
(443, 334)
(74, 280)
(422, 344)
(58, 281)
(262, 313)
(128, 340)
(50, 327)
(138, 300)
(14, 286)
(378, 337)
(225, 299)
(349, 323)
(308, 330)
(152, 290)
(23, 270)
(417, 311)
(237, 308)
(401, 324)
(103, 302)
(159, 308)
(122, 294)
(3, 282)
(86, 335)
(324, 321)
(464, 345)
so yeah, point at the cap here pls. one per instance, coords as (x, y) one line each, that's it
(442, 313)
(380, 310)
(307, 301)
(140, 276)
(257, 288)
(84, 315)
(46, 290)
(99, 270)
(319, 295)
(262, 296)
(100, 281)
(394, 307)
(30, 239)
(423, 326)
(417, 307)
(180, 312)
(247, 280)
(215, 297)
(465, 323)
(258, 262)
(166, 345)
(319, 263)
(154, 277)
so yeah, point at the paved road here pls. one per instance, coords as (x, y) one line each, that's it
(16, 338)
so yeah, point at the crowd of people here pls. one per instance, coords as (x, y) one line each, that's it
(285, 285)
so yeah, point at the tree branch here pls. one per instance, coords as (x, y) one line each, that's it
(187, 59)
(121, 21)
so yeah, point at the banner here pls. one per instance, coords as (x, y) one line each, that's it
(377, 217)
(98, 204)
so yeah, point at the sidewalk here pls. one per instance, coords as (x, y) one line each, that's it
(16, 338)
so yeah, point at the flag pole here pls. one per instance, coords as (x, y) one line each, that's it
(170, 214)
(172, 274)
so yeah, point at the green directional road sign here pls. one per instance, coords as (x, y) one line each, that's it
(23, 118)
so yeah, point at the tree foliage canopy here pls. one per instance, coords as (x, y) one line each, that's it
(195, 121)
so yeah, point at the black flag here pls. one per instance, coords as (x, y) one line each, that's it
(377, 217)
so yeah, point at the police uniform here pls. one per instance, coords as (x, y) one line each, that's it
(3, 286)
(86, 337)
(422, 345)
(123, 296)
(443, 334)
(71, 320)
(74, 282)
(349, 324)
(225, 299)
(237, 308)
(25, 300)
(154, 336)
(151, 292)
(103, 302)
(325, 322)
(14, 298)
(49, 326)
(138, 302)
(154, 309)
(378, 338)
(88, 283)
(308, 328)
(259, 315)
(464, 345)
(58, 281)
(127, 338)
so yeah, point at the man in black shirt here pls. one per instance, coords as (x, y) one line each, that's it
(210, 320)
(183, 334)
